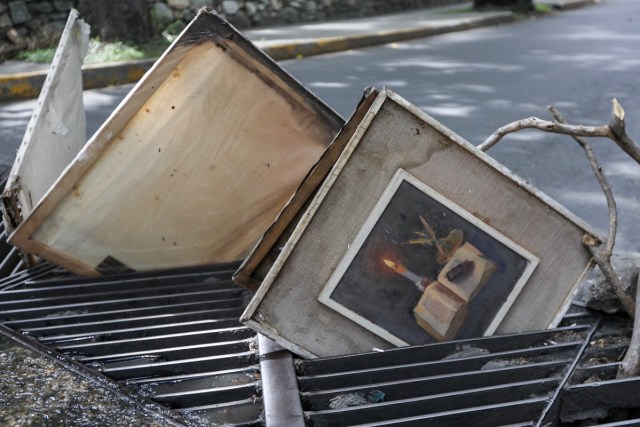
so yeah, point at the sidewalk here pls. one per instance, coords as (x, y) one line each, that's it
(22, 80)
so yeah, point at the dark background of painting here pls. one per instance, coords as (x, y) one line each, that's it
(370, 289)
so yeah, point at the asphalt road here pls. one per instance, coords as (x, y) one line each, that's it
(476, 81)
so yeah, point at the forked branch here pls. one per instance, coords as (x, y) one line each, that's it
(601, 252)
(544, 125)
(602, 180)
(614, 130)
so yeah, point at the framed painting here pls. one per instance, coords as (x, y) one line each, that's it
(423, 265)
(413, 236)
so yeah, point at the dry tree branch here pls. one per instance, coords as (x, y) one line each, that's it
(602, 253)
(544, 125)
(630, 366)
(602, 180)
(615, 130)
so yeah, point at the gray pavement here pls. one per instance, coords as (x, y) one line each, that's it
(18, 67)
(38, 390)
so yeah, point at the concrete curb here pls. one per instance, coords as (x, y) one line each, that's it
(302, 48)
(22, 86)
(571, 4)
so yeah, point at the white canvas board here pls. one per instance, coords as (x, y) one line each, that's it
(56, 132)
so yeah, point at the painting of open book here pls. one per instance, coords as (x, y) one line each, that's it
(422, 269)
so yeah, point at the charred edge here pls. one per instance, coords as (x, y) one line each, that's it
(111, 265)
(10, 208)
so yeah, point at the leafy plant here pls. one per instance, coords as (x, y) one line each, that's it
(101, 52)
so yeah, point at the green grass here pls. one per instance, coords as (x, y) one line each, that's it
(37, 55)
(542, 8)
(101, 52)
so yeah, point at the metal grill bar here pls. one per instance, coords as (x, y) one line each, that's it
(148, 331)
(18, 279)
(173, 381)
(52, 288)
(494, 380)
(202, 397)
(115, 304)
(98, 315)
(403, 372)
(492, 415)
(172, 340)
(210, 273)
(150, 322)
(444, 368)
(602, 372)
(9, 262)
(176, 353)
(200, 381)
(425, 405)
(410, 388)
(580, 318)
(181, 367)
(436, 352)
(634, 422)
(232, 413)
(79, 294)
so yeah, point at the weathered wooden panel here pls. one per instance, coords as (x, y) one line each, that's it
(191, 168)
(393, 135)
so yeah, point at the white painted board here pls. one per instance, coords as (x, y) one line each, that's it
(56, 132)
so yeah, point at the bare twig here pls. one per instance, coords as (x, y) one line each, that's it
(602, 180)
(601, 251)
(544, 125)
(630, 366)
(614, 130)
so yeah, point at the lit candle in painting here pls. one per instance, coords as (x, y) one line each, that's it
(419, 281)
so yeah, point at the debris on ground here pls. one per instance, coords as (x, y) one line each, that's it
(597, 293)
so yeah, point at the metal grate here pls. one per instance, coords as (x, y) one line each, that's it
(497, 380)
(564, 376)
(593, 392)
(174, 334)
